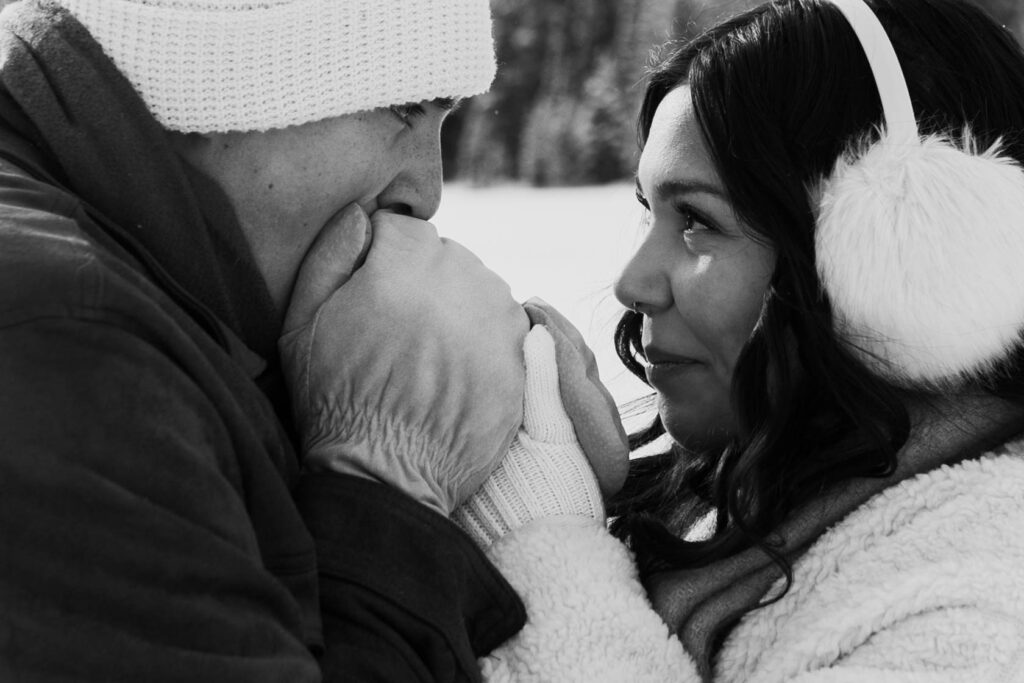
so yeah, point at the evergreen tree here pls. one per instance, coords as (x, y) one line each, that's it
(562, 109)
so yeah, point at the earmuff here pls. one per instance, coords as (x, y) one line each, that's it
(920, 240)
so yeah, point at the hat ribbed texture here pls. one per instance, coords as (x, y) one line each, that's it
(225, 65)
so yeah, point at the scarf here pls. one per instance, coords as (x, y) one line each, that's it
(61, 94)
(702, 604)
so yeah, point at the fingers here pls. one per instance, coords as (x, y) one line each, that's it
(543, 313)
(595, 418)
(338, 250)
(586, 400)
(544, 418)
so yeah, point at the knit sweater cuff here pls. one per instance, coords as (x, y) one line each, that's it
(532, 482)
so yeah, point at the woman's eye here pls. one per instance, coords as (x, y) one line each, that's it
(408, 113)
(693, 222)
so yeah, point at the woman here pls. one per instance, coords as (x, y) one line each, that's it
(829, 304)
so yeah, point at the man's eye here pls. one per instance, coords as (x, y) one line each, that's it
(642, 199)
(408, 113)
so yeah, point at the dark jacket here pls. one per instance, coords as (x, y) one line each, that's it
(155, 524)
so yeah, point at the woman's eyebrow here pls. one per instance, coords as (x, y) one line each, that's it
(671, 188)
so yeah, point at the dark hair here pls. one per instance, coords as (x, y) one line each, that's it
(779, 92)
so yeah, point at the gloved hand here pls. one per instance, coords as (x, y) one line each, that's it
(408, 370)
(546, 472)
(591, 408)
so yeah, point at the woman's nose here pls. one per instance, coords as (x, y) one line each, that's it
(643, 285)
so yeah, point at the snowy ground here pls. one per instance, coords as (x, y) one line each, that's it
(564, 245)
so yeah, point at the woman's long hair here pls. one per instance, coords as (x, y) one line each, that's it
(779, 92)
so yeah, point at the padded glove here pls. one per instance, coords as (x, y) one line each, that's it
(408, 370)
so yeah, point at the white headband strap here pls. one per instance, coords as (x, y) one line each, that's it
(885, 66)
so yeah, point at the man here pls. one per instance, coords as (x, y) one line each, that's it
(180, 183)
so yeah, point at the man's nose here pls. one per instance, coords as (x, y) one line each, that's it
(416, 191)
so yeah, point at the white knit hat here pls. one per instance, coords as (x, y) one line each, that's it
(251, 65)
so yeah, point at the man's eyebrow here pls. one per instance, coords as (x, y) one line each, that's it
(448, 104)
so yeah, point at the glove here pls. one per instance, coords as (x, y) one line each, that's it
(591, 408)
(408, 370)
(546, 472)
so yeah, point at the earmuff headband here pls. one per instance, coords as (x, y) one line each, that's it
(885, 67)
(919, 241)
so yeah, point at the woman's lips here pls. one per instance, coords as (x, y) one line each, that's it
(664, 367)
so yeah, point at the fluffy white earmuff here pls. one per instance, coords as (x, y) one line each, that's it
(920, 240)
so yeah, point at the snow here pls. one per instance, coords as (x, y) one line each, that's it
(565, 245)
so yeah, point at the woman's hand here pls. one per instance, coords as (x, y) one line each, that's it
(547, 472)
(409, 369)
(589, 405)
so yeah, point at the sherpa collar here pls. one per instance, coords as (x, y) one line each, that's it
(703, 604)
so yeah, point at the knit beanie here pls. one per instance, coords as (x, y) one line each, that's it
(208, 66)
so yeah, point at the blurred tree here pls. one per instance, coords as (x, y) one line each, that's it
(563, 106)
(562, 109)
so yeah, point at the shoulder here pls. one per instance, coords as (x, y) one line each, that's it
(953, 512)
(99, 362)
(53, 257)
(61, 269)
(930, 564)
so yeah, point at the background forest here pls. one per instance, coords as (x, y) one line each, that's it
(562, 109)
